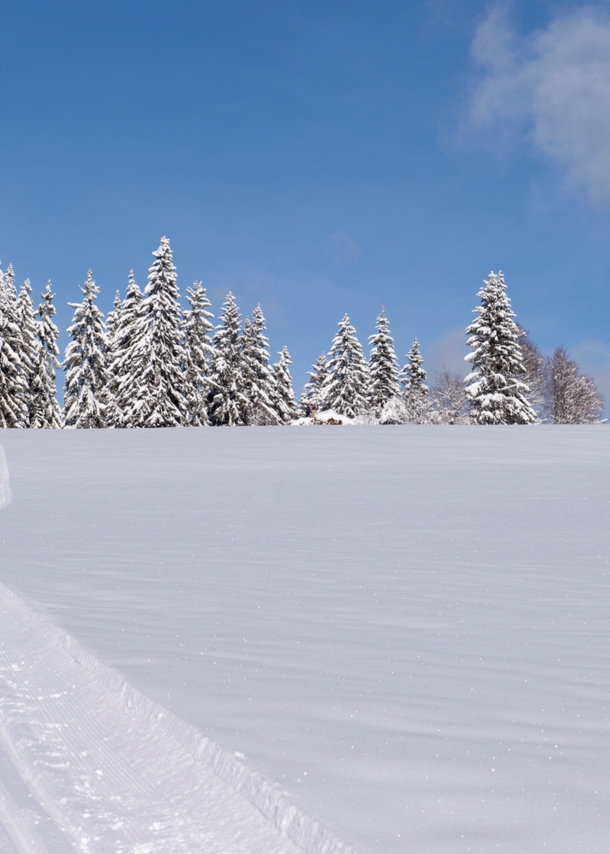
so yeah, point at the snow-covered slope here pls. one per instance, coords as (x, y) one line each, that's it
(406, 627)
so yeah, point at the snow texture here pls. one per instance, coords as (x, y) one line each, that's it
(407, 627)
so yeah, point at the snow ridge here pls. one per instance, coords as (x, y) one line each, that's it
(116, 771)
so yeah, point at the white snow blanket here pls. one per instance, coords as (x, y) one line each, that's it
(407, 627)
(5, 489)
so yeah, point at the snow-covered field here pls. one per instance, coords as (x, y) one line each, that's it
(406, 628)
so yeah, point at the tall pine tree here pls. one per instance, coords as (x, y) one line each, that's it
(257, 377)
(496, 391)
(285, 404)
(226, 399)
(14, 390)
(346, 388)
(159, 352)
(47, 414)
(383, 366)
(127, 358)
(198, 347)
(85, 363)
(113, 320)
(30, 346)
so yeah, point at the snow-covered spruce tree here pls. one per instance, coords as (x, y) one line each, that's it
(226, 399)
(113, 320)
(13, 378)
(85, 363)
(30, 346)
(451, 404)
(496, 391)
(570, 397)
(383, 366)
(285, 404)
(127, 357)
(47, 414)
(257, 382)
(312, 390)
(417, 398)
(159, 350)
(346, 387)
(199, 352)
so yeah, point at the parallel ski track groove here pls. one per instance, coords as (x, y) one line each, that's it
(119, 773)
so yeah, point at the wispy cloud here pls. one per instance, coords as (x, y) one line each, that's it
(552, 86)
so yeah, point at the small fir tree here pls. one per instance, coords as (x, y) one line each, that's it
(47, 411)
(496, 391)
(160, 355)
(199, 352)
(383, 366)
(346, 387)
(257, 376)
(417, 400)
(85, 363)
(226, 399)
(285, 404)
(311, 398)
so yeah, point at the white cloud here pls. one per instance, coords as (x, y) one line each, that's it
(553, 86)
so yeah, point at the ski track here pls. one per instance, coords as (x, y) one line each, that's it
(117, 772)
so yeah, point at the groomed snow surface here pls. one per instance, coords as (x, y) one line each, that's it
(406, 628)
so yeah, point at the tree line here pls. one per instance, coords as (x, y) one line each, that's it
(150, 363)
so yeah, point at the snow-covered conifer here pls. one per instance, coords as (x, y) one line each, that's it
(29, 347)
(413, 376)
(496, 391)
(14, 390)
(159, 355)
(226, 399)
(199, 351)
(127, 357)
(47, 414)
(346, 387)
(312, 390)
(85, 363)
(383, 366)
(570, 397)
(113, 320)
(285, 404)
(257, 377)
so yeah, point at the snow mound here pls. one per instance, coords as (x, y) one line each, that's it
(328, 417)
(116, 771)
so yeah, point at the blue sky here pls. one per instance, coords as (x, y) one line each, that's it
(318, 158)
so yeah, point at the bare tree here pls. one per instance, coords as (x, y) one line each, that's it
(451, 404)
(535, 374)
(570, 397)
